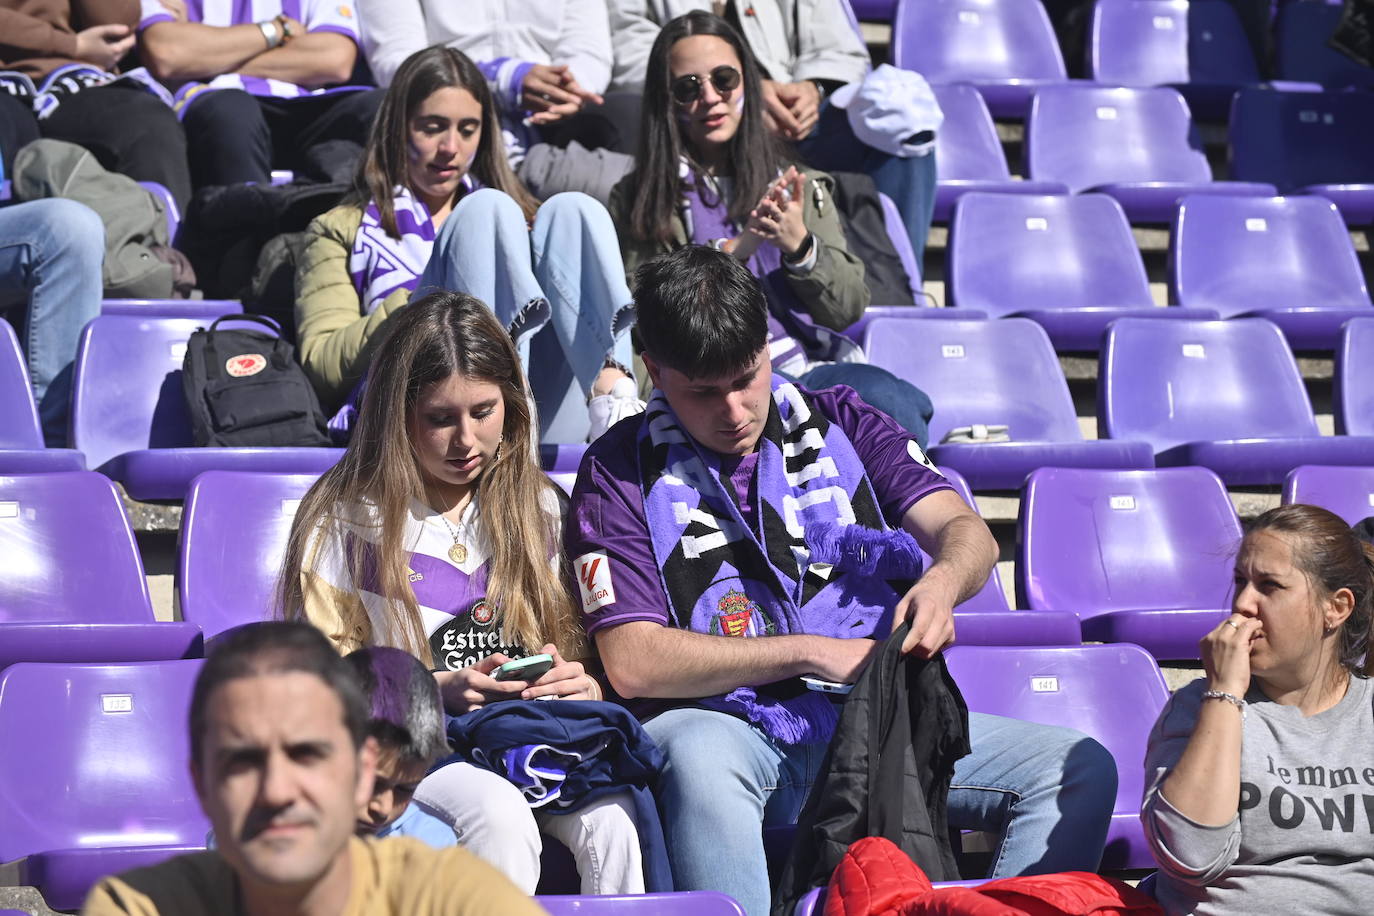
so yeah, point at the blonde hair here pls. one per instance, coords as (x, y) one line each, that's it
(431, 339)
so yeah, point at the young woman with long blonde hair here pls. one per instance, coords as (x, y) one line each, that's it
(438, 533)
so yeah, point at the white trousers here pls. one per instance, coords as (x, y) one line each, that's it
(495, 823)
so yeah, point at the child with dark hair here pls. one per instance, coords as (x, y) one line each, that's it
(406, 720)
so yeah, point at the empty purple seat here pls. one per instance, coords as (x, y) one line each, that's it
(233, 541)
(21, 438)
(855, 331)
(1302, 31)
(1111, 693)
(1143, 556)
(968, 153)
(1138, 145)
(100, 781)
(1348, 492)
(681, 903)
(129, 413)
(73, 588)
(1198, 47)
(1224, 395)
(207, 309)
(1353, 389)
(985, 620)
(561, 462)
(1288, 259)
(1307, 143)
(1068, 263)
(1005, 48)
(994, 373)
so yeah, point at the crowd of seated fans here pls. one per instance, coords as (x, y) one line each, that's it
(452, 319)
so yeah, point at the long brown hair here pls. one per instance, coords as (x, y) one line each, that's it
(383, 165)
(1331, 557)
(432, 338)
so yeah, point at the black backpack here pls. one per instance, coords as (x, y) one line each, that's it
(244, 388)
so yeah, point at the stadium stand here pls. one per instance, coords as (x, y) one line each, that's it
(21, 438)
(1111, 693)
(1079, 548)
(1307, 143)
(994, 373)
(1346, 491)
(1353, 388)
(1224, 395)
(1068, 263)
(1137, 145)
(1287, 259)
(129, 413)
(969, 155)
(1005, 48)
(74, 588)
(100, 783)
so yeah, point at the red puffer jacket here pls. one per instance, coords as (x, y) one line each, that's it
(875, 879)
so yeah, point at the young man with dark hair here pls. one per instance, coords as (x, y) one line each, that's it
(282, 763)
(734, 507)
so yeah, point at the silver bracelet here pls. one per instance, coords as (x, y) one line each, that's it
(271, 32)
(1228, 697)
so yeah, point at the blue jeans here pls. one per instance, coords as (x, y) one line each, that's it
(1048, 791)
(50, 257)
(896, 397)
(910, 182)
(559, 288)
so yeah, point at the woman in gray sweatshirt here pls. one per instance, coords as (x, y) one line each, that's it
(1260, 778)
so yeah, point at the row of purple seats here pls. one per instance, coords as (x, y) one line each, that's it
(74, 587)
(1071, 264)
(1346, 491)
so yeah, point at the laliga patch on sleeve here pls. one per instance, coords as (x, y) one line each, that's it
(918, 456)
(594, 578)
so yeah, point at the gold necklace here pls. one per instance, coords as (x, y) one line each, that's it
(458, 553)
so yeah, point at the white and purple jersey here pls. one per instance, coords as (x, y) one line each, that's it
(608, 535)
(316, 15)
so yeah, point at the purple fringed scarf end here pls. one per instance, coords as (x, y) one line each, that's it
(865, 551)
(809, 718)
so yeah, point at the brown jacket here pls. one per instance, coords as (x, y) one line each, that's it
(38, 36)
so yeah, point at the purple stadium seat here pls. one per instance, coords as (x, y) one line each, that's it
(1138, 145)
(21, 438)
(995, 373)
(233, 542)
(172, 308)
(813, 904)
(1307, 143)
(1111, 693)
(1005, 48)
(1353, 389)
(985, 620)
(100, 783)
(896, 231)
(129, 414)
(874, 10)
(169, 206)
(1143, 556)
(1348, 492)
(561, 462)
(1069, 263)
(74, 589)
(682, 903)
(1301, 33)
(1198, 47)
(1288, 259)
(855, 331)
(1224, 395)
(968, 154)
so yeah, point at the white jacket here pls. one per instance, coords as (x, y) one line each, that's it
(572, 32)
(794, 40)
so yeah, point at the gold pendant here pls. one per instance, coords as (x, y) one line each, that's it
(458, 553)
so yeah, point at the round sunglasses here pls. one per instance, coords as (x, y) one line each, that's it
(687, 89)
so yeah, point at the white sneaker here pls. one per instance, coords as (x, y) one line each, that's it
(606, 410)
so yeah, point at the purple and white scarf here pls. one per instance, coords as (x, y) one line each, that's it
(379, 263)
(818, 560)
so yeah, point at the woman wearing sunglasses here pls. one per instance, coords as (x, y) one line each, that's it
(709, 172)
